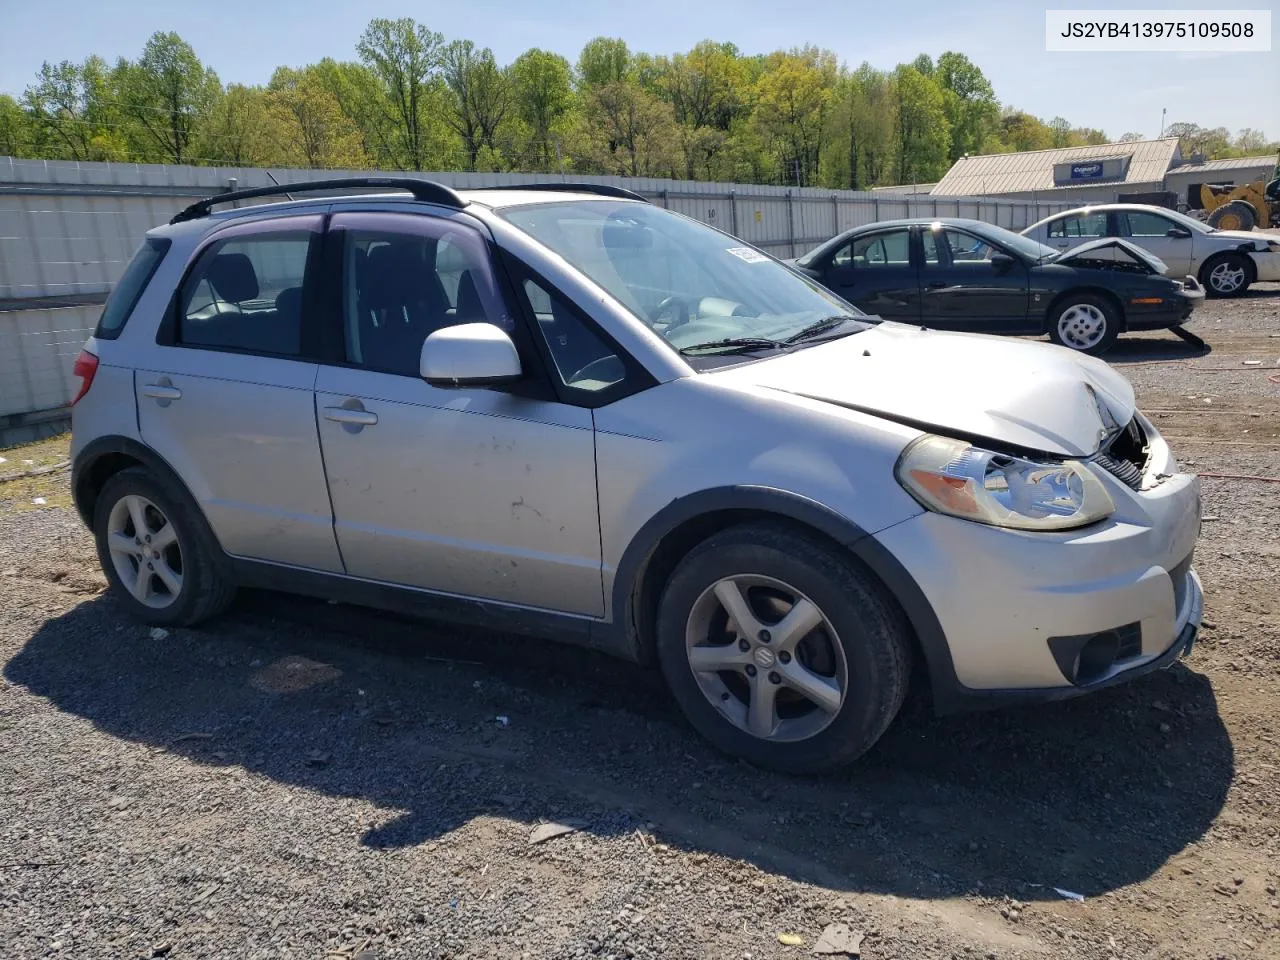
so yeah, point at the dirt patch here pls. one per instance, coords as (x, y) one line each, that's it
(305, 779)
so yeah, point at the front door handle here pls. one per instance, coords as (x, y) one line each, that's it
(935, 285)
(360, 418)
(161, 391)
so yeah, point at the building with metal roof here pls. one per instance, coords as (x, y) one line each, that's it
(1138, 170)
(1234, 171)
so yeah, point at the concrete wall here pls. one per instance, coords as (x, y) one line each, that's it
(68, 229)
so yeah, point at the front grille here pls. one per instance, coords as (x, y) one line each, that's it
(1125, 456)
(1179, 577)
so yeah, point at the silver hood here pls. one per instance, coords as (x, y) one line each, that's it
(1031, 395)
(1140, 255)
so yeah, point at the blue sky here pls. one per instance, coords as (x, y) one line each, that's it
(1116, 92)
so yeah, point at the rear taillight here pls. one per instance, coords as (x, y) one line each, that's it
(85, 368)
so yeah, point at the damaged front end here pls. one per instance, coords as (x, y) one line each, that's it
(1112, 253)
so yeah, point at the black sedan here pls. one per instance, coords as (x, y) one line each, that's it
(968, 275)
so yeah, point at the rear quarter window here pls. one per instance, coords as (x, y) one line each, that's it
(124, 296)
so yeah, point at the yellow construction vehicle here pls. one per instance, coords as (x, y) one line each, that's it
(1243, 207)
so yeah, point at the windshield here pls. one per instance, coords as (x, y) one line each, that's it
(693, 285)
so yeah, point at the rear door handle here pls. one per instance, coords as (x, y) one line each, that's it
(935, 285)
(362, 418)
(160, 391)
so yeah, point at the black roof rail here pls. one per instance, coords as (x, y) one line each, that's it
(603, 189)
(426, 190)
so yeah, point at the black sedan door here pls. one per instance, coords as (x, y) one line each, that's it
(968, 283)
(876, 273)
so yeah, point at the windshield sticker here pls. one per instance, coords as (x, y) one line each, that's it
(747, 255)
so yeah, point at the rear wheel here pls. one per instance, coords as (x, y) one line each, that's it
(1234, 215)
(1226, 275)
(1084, 322)
(780, 650)
(157, 552)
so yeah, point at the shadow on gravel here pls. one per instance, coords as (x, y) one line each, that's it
(1089, 795)
(1147, 350)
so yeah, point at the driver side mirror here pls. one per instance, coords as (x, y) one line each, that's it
(1178, 233)
(1001, 262)
(469, 355)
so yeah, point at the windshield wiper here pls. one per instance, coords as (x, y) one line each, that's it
(818, 327)
(732, 345)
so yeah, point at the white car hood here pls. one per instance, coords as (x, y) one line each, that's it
(1031, 395)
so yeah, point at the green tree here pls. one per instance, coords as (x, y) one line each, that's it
(1059, 132)
(969, 102)
(71, 113)
(706, 90)
(1130, 138)
(318, 134)
(860, 145)
(627, 132)
(361, 98)
(543, 98)
(1193, 138)
(405, 57)
(603, 60)
(481, 98)
(1019, 131)
(792, 100)
(15, 135)
(167, 92)
(1088, 136)
(923, 136)
(241, 130)
(1249, 141)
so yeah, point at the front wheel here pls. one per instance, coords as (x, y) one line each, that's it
(1226, 275)
(1084, 322)
(780, 650)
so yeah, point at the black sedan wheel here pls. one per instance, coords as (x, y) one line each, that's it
(1084, 322)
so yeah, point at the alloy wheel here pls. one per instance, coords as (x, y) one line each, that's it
(1082, 326)
(766, 657)
(1226, 277)
(145, 551)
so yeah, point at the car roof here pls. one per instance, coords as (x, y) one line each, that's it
(921, 221)
(1103, 208)
(492, 198)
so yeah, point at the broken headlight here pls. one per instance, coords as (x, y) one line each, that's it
(953, 477)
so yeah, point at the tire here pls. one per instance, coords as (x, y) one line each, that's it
(187, 555)
(1226, 275)
(1234, 215)
(1084, 322)
(860, 649)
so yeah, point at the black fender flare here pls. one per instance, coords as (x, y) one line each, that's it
(82, 472)
(809, 513)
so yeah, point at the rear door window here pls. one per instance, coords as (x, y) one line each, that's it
(245, 294)
(1083, 226)
(889, 249)
(124, 296)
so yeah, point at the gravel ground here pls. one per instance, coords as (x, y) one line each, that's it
(302, 779)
